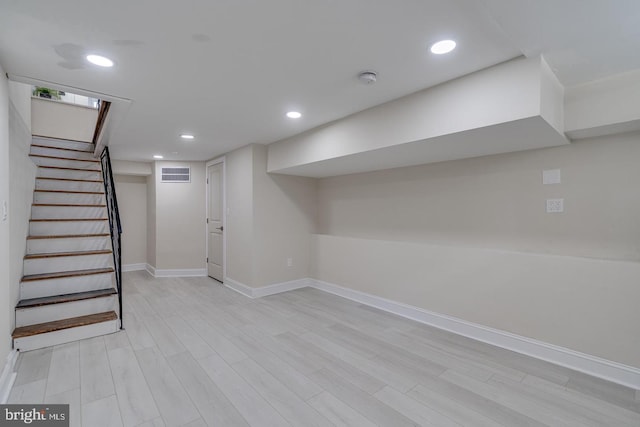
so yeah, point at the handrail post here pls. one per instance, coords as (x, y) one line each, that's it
(115, 227)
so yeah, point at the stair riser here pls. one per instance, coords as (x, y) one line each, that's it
(66, 285)
(61, 143)
(46, 228)
(62, 163)
(48, 184)
(69, 174)
(67, 212)
(76, 244)
(52, 312)
(68, 198)
(67, 335)
(55, 152)
(66, 263)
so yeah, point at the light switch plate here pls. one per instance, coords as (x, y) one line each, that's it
(555, 205)
(551, 176)
(5, 210)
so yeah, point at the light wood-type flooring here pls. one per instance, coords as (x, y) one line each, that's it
(195, 353)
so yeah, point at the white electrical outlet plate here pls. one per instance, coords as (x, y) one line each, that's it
(551, 176)
(555, 205)
(289, 262)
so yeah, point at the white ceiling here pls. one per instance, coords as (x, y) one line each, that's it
(228, 70)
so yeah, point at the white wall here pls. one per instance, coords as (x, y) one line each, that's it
(6, 306)
(471, 239)
(132, 203)
(180, 219)
(17, 179)
(23, 172)
(65, 121)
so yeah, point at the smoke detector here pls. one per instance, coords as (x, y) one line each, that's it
(368, 77)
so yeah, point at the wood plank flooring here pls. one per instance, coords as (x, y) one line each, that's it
(195, 353)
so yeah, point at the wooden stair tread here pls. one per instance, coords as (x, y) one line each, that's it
(68, 192)
(63, 254)
(67, 236)
(64, 158)
(69, 169)
(71, 179)
(67, 219)
(59, 299)
(58, 325)
(50, 138)
(60, 148)
(65, 274)
(69, 205)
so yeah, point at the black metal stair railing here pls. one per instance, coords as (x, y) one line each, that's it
(114, 222)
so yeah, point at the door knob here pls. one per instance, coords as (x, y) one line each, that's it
(220, 228)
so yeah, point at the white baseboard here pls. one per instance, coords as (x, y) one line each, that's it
(264, 291)
(241, 288)
(187, 272)
(151, 270)
(134, 267)
(280, 287)
(612, 371)
(8, 376)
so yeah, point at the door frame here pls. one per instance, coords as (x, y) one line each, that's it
(215, 161)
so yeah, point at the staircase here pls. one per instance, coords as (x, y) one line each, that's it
(68, 290)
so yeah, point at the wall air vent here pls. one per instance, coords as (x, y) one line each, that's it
(176, 174)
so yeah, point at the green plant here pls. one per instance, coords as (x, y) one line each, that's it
(45, 92)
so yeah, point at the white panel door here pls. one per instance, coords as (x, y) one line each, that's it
(215, 226)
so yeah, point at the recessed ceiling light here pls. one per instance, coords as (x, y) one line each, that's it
(158, 156)
(100, 60)
(294, 115)
(443, 46)
(187, 136)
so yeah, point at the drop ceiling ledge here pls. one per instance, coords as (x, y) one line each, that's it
(513, 106)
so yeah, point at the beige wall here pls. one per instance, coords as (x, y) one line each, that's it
(499, 201)
(180, 219)
(6, 306)
(151, 218)
(239, 219)
(163, 223)
(270, 218)
(471, 239)
(284, 219)
(598, 105)
(126, 167)
(583, 304)
(23, 172)
(60, 120)
(132, 203)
